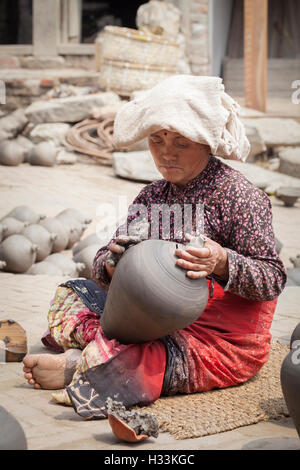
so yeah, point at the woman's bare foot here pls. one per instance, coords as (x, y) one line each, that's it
(51, 371)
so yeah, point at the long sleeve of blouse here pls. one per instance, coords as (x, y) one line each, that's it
(236, 214)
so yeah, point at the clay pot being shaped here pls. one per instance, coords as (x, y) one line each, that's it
(290, 378)
(150, 296)
(18, 252)
(42, 238)
(53, 225)
(25, 214)
(13, 226)
(11, 153)
(42, 154)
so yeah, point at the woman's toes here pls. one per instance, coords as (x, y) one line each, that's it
(28, 376)
(26, 369)
(31, 381)
(30, 361)
(37, 386)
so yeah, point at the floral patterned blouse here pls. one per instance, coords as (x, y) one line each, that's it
(237, 215)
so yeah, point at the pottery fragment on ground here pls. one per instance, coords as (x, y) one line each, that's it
(130, 426)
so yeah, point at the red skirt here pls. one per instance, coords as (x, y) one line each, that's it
(227, 345)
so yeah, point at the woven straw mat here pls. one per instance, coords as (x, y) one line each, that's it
(219, 410)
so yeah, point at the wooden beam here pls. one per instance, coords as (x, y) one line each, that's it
(255, 53)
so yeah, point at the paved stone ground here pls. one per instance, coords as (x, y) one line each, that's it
(26, 298)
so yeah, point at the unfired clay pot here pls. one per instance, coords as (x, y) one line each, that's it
(294, 275)
(67, 265)
(86, 256)
(150, 296)
(77, 215)
(25, 214)
(3, 231)
(13, 226)
(42, 238)
(90, 240)
(290, 378)
(75, 228)
(53, 225)
(43, 267)
(11, 153)
(18, 252)
(42, 154)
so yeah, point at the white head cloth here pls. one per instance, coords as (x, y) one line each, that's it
(196, 107)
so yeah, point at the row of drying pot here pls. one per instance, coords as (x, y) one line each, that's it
(28, 238)
(12, 153)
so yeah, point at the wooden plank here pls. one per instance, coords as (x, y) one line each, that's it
(46, 27)
(255, 53)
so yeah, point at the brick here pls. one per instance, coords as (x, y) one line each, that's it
(9, 62)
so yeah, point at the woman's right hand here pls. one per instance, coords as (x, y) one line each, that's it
(116, 250)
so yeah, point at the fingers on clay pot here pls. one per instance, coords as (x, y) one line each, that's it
(150, 296)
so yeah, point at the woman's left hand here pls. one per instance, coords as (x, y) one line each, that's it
(201, 262)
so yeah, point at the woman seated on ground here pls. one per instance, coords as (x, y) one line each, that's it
(187, 120)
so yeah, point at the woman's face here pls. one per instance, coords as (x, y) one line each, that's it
(177, 158)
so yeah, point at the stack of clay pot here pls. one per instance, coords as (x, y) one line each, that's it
(85, 251)
(31, 243)
(12, 153)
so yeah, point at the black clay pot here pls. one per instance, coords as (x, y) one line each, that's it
(290, 378)
(12, 436)
(150, 296)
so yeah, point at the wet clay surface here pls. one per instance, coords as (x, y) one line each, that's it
(141, 423)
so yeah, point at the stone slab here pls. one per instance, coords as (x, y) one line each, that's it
(71, 109)
(136, 166)
(290, 161)
(276, 131)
